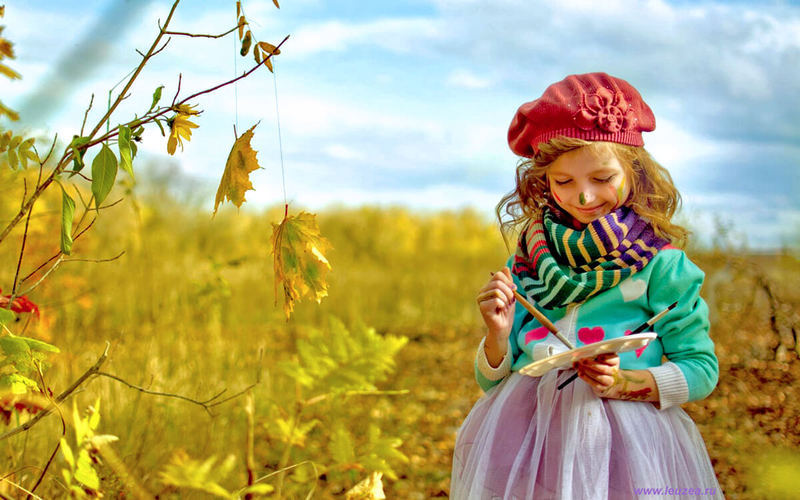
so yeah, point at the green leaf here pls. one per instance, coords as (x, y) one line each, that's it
(156, 98)
(186, 472)
(161, 127)
(18, 383)
(67, 452)
(341, 446)
(77, 153)
(6, 316)
(14, 346)
(67, 215)
(104, 173)
(85, 473)
(38, 345)
(134, 150)
(125, 157)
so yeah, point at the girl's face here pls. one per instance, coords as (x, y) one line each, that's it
(588, 184)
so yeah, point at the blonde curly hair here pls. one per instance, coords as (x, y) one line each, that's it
(653, 194)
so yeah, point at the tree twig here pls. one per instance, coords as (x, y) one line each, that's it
(86, 115)
(45, 391)
(207, 404)
(59, 253)
(19, 261)
(194, 35)
(180, 76)
(61, 397)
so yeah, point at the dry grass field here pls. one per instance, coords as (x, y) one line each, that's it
(190, 309)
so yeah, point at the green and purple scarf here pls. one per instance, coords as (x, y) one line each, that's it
(558, 265)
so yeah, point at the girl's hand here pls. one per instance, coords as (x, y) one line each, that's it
(602, 373)
(496, 301)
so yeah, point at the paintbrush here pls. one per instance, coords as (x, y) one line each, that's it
(639, 329)
(542, 319)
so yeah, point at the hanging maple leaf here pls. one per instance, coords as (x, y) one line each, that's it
(299, 259)
(236, 178)
(181, 127)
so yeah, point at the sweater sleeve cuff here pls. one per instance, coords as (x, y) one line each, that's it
(493, 374)
(672, 387)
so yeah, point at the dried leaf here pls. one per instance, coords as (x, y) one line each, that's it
(370, 488)
(276, 3)
(248, 39)
(10, 113)
(236, 178)
(269, 48)
(242, 22)
(299, 259)
(9, 72)
(238, 8)
(257, 54)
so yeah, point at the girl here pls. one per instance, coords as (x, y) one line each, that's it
(595, 256)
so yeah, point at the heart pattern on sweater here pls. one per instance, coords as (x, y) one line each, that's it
(536, 334)
(591, 335)
(640, 350)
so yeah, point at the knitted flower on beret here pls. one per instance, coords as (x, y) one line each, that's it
(593, 106)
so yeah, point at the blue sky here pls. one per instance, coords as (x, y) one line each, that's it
(409, 102)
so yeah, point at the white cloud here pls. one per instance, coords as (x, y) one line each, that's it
(400, 35)
(468, 80)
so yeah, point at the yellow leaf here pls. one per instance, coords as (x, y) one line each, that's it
(180, 127)
(299, 260)
(268, 63)
(269, 48)
(9, 72)
(12, 115)
(242, 22)
(370, 488)
(6, 49)
(236, 178)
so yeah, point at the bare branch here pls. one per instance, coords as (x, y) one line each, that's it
(19, 261)
(205, 404)
(194, 35)
(244, 75)
(180, 76)
(63, 428)
(159, 50)
(57, 255)
(97, 260)
(61, 397)
(91, 101)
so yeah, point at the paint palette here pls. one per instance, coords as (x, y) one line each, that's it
(566, 358)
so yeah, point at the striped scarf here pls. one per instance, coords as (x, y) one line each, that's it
(558, 265)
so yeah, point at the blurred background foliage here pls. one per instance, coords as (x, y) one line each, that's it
(190, 308)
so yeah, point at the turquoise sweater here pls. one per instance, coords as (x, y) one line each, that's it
(691, 370)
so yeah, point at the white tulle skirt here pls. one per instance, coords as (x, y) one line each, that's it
(526, 440)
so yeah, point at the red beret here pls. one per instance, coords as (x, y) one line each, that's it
(593, 106)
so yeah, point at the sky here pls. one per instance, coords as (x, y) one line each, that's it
(408, 102)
